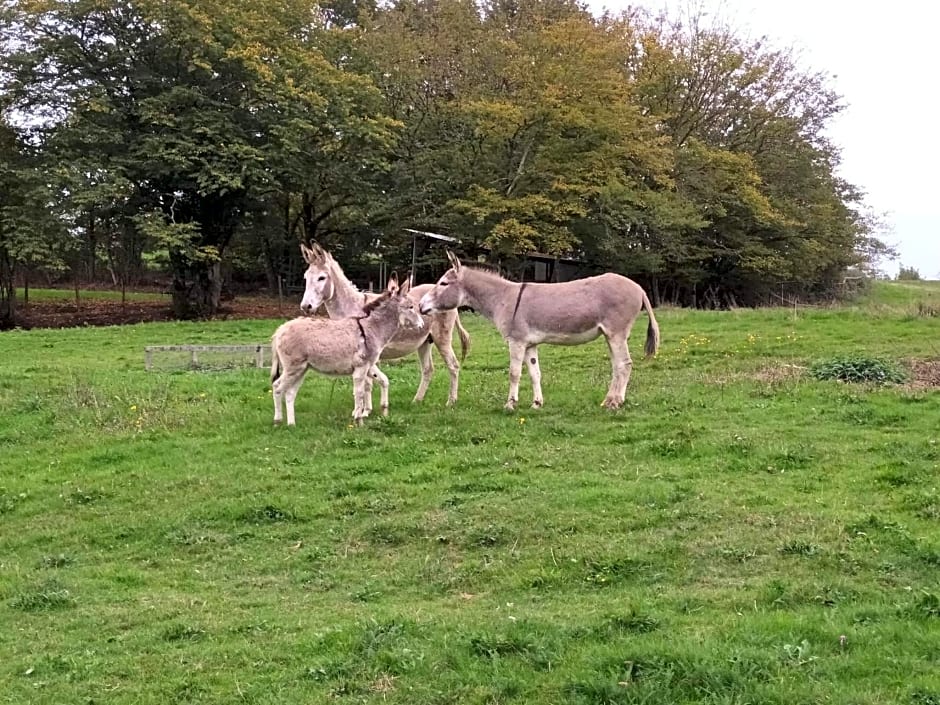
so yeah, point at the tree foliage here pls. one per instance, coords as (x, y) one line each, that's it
(177, 119)
(675, 151)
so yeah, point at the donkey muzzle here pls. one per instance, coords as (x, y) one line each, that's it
(424, 306)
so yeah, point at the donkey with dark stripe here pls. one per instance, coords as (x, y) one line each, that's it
(567, 313)
(327, 285)
(349, 346)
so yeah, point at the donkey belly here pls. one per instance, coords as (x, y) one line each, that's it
(569, 337)
(331, 368)
(334, 360)
(573, 338)
(405, 342)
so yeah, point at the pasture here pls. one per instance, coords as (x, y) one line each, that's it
(738, 533)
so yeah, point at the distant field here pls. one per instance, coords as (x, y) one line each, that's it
(740, 533)
(89, 295)
(899, 295)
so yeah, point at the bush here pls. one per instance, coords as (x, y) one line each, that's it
(908, 274)
(859, 369)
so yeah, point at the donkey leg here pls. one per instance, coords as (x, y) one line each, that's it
(621, 367)
(380, 377)
(446, 349)
(277, 393)
(361, 390)
(427, 369)
(291, 385)
(278, 403)
(516, 355)
(366, 395)
(532, 361)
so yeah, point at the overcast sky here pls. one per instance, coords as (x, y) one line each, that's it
(882, 59)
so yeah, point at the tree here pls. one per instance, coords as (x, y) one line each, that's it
(30, 235)
(741, 112)
(189, 113)
(672, 150)
(517, 121)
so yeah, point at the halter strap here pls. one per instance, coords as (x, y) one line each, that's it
(518, 299)
(362, 331)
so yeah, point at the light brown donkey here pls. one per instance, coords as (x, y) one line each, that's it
(326, 284)
(568, 313)
(349, 346)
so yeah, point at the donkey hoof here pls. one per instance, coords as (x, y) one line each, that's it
(384, 411)
(612, 404)
(451, 402)
(510, 405)
(537, 404)
(277, 422)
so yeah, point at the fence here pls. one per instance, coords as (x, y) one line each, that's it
(194, 351)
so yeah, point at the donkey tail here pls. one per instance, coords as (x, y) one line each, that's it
(652, 330)
(276, 367)
(464, 340)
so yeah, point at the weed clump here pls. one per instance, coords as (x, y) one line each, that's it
(859, 370)
(49, 595)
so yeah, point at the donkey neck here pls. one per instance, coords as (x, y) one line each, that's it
(380, 325)
(489, 293)
(347, 300)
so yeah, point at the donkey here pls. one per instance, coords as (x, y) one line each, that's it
(350, 346)
(327, 284)
(568, 313)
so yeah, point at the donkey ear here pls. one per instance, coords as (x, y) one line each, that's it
(392, 285)
(321, 253)
(307, 253)
(454, 262)
(406, 287)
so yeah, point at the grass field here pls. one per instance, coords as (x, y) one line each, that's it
(739, 533)
(39, 295)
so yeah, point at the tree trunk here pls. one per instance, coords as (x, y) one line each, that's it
(7, 291)
(197, 281)
(197, 287)
(270, 270)
(92, 242)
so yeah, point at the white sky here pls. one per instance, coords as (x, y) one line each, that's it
(883, 62)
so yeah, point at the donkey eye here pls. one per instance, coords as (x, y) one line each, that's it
(443, 283)
(321, 277)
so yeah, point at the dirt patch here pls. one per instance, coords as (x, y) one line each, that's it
(771, 375)
(925, 374)
(60, 314)
(779, 374)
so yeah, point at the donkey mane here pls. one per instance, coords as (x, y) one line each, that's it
(375, 303)
(487, 269)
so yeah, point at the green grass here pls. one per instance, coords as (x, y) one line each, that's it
(37, 295)
(740, 532)
(911, 297)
